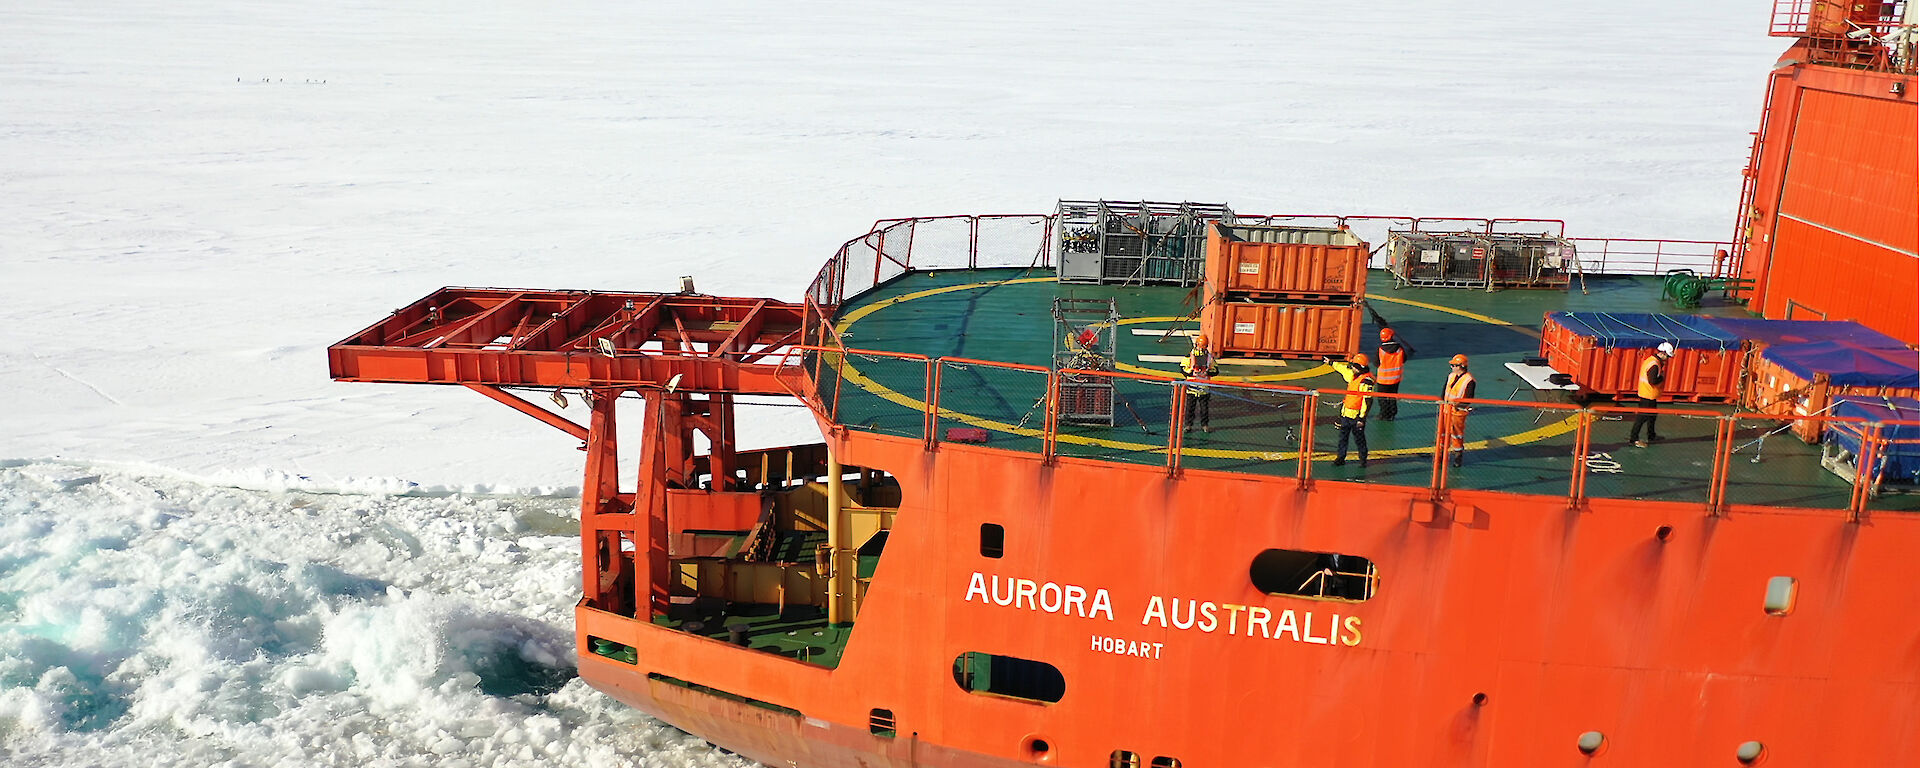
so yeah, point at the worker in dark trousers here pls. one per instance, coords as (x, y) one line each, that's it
(1353, 407)
(1393, 364)
(1198, 367)
(1653, 378)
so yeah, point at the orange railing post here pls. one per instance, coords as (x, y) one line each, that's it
(1176, 427)
(1437, 485)
(1864, 475)
(1050, 429)
(1582, 448)
(1722, 464)
(1310, 408)
(932, 400)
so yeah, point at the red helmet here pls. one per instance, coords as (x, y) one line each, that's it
(1088, 337)
(1386, 334)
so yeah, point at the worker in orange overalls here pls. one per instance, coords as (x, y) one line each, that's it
(1393, 363)
(1353, 408)
(1453, 412)
(1653, 374)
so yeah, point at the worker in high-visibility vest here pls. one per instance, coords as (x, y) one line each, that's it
(1653, 377)
(1453, 412)
(1393, 365)
(1353, 407)
(1198, 367)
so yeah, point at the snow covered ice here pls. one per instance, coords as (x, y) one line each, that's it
(212, 555)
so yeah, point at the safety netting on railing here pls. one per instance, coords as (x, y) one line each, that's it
(1715, 457)
(1257, 430)
(1768, 464)
(1399, 451)
(1115, 417)
(993, 404)
(882, 392)
(1677, 464)
(896, 246)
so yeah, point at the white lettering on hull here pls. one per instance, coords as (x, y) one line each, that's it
(1163, 613)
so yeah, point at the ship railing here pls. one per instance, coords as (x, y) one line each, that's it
(896, 247)
(1634, 256)
(1328, 582)
(1712, 457)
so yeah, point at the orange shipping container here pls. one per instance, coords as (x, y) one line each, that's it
(1290, 262)
(1603, 353)
(1246, 328)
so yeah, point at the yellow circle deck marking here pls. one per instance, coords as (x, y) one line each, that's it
(861, 380)
(1461, 312)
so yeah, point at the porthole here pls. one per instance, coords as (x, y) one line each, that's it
(1591, 742)
(1324, 575)
(1781, 591)
(1750, 752)
(1009, 676)
(993, 540)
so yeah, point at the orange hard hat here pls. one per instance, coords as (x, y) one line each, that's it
(1386, 334)
(1199, 339)
(1360, 359)
(1459, 360)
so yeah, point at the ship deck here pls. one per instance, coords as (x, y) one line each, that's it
(965, 318)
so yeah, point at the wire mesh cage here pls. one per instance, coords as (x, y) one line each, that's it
(1438, 259)
(1530, 261)
(1133, 242)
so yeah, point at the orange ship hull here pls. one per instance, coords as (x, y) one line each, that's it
(1503, 628)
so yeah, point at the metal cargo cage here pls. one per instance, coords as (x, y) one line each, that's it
(1088, 331)
(1133, 242)
(1481, 260)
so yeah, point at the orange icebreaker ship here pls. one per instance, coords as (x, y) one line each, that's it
(1042, 527)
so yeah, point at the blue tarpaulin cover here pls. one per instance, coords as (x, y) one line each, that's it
(1637, 330)
(1848, 364)
(1803, 331)
(1902, 454)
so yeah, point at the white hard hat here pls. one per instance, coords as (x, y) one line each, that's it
(1666, 348)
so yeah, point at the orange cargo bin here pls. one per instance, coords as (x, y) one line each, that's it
(1265, 329)
(1787, 379)
(1285, 262)
(1603, 353)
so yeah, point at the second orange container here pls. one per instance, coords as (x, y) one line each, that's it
(1255, 329)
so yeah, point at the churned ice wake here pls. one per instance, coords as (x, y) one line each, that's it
(151, 620)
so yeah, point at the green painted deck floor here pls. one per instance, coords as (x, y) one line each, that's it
(1005, 316)
(801, 632)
